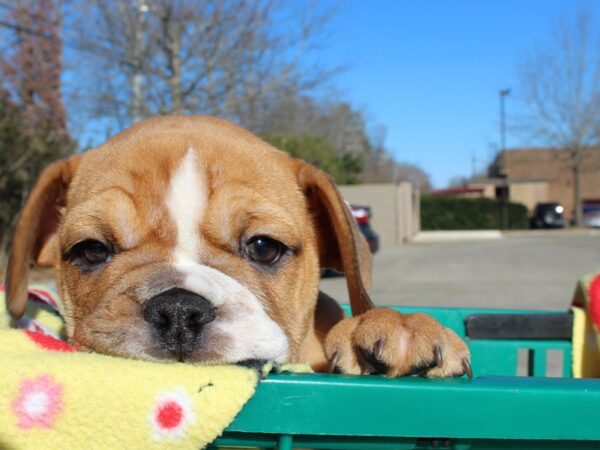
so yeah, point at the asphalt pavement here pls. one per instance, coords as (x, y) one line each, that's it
(525, 270)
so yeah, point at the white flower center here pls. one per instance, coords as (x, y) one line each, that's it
(36, 403)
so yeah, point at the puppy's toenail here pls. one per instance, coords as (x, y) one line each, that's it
(438, 356)
(378, 349)
(467, 368)
(335, 357)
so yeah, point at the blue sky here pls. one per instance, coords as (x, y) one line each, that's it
(430, 71)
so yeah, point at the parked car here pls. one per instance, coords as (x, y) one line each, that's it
(591, 214)
(362, 215)
(548, 215)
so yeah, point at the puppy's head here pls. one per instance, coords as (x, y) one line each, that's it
(187, 238)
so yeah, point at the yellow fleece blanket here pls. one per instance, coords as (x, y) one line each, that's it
(52, 397)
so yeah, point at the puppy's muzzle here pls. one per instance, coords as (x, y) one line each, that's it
(178, 317)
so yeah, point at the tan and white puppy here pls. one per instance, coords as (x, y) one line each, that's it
(188, 238)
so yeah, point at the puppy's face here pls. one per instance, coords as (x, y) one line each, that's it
(182, 238)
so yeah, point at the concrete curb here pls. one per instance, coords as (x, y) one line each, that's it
(462, 235)
(554, 232)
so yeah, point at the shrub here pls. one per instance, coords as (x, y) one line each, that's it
(456, 213)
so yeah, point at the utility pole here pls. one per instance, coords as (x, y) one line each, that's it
(504, 193)
(503, 94)
(137, 81)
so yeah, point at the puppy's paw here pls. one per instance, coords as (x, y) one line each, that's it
(387, 342)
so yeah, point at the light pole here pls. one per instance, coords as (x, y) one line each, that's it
(504, 194)
(503, 94)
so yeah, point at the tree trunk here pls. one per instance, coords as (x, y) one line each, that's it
(175, 80)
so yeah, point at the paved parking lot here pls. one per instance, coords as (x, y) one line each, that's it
(536, 270)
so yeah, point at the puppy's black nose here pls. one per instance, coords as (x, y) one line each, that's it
(178, 317)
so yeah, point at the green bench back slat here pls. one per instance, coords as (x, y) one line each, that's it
(484, 408)
(495, 410)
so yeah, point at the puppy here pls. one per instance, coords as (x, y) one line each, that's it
(188, 238)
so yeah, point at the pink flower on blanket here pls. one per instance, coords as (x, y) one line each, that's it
(171, 415)
(39, 402)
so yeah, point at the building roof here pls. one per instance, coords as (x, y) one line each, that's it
(457, 191)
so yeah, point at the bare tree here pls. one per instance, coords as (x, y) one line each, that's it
(346, 131)
(560, 88)
(337, 121)
(220, 57)
(381, 167)
(414, 175)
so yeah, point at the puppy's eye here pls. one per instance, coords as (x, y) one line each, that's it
(90, 253)
(264, 250)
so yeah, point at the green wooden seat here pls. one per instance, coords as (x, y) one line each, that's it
(495, 410)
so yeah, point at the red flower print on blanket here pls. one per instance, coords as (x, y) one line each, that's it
(171, 415)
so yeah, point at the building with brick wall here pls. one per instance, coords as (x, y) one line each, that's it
(539, 175)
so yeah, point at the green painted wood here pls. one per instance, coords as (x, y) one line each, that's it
(568, 362)
(263, 441)
(494, 357)
(490, 412)
(500, 357)
(285, 442)
(484, 408)
(539, 363)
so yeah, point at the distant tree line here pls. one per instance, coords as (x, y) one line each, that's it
(88, 69)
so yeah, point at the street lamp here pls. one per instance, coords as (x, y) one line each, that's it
(504, 187)
(503, 94)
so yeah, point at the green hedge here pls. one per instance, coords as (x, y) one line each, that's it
(457, 213)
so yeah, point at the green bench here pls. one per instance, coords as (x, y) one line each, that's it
(495, 410)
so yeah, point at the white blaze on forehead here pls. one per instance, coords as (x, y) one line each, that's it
(242, 329)
(241, 321)
(186, 202)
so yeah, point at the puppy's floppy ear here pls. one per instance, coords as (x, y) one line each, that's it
(341, 244)
(34, 237)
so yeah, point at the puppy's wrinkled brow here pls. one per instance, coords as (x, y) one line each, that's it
(110, 216)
